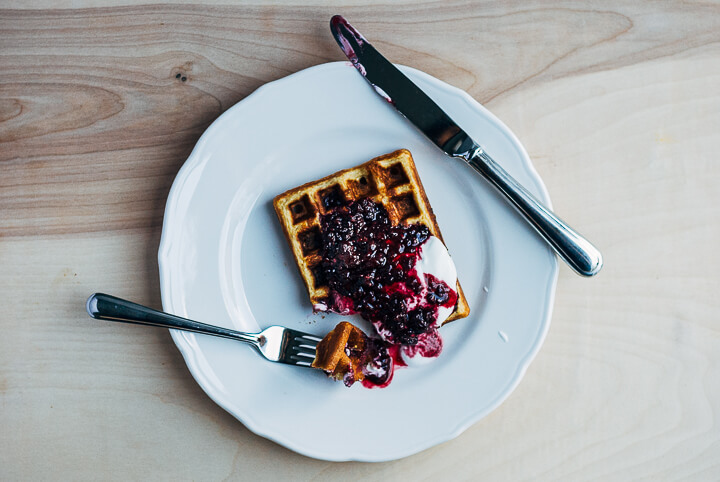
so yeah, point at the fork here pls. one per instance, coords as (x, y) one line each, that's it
(276, 343)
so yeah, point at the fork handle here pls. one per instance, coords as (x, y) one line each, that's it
(105, 307)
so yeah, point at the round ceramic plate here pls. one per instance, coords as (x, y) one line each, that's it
(224, 260)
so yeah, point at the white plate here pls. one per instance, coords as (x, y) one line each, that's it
(224, 260)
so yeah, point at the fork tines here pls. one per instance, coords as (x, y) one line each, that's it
(301, 349)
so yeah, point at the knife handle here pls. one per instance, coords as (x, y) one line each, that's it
(575, 250)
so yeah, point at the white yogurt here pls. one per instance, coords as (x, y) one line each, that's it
(434, 259)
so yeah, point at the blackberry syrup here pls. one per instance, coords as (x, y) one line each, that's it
(369, 266)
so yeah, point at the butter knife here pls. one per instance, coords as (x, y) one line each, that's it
(426, 115)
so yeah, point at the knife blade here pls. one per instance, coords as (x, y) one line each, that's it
(400, 92)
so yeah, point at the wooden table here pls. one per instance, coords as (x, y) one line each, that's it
(618, 104)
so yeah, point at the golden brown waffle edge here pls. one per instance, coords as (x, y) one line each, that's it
(391, 180)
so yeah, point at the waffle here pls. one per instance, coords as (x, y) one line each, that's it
(390, 180)
(333, 352)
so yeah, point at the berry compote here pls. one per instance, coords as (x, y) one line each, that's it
(370, 269)
(376, 364)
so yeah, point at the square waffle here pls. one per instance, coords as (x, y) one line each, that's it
(391, 180)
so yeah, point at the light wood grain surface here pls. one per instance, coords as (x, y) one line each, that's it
(618, 104)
